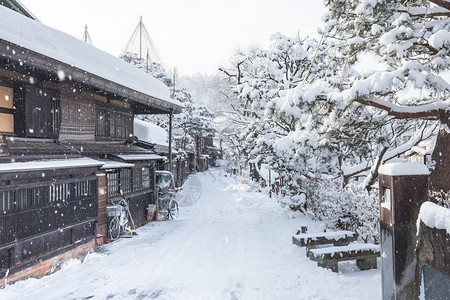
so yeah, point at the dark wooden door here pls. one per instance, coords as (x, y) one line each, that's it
(41, 112)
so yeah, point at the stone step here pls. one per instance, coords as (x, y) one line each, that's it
(329, 257)
(312, 240)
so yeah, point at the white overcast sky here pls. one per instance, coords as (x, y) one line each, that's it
(191, 35)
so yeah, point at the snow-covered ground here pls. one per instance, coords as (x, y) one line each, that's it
(229, 243)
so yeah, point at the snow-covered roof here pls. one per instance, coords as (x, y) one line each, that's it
(134, 157)
(37, 37)
(49, 164)
(112, 164)
(150, 133)
(403, 168)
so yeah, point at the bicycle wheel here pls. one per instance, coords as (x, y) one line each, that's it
(173, 209)
(114, 228)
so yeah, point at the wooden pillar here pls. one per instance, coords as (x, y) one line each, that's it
(403, 189)
(170, 140)
(102, 225)
(4, 150)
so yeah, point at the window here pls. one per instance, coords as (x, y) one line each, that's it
(145, 177)
(120, 179)
(23, 199)
(141, 178)
(83, 189)
(129, 180)
(37, 196)
(6, 109)
(6, 201)
(113, 184)
(125, 180)
(137, 179)
(112, 123)
(59, 192)
(386, 198)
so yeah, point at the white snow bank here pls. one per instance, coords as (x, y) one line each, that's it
(406, 168)
(150, 133)
(435, 216)
(49, 164)
(35, 36)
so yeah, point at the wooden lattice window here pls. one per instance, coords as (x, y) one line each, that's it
(113, 184)
(6, 202)
(137, 179)
(113, 122)
(125, 180)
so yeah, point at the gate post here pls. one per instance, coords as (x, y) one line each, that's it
(403, 187)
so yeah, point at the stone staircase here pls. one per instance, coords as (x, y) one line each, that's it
(331, 247)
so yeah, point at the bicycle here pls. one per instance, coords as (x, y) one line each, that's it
(166, 202)
(119, 218)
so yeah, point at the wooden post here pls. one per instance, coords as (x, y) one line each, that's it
(4, 150)
(170, 140)
(403, 188)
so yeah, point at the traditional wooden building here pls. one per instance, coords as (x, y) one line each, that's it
(151, 136)
(66, 147)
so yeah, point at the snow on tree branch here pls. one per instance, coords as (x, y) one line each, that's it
(409, 112)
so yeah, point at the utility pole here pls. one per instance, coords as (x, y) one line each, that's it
(140, 38)
(173, 85)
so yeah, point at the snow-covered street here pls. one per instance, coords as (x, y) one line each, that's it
(230, 242)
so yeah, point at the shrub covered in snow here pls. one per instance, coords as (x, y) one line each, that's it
(349, 208)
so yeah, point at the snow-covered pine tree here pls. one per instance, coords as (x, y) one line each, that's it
(194, 120)
(411, 40)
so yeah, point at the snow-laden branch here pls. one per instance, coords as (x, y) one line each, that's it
(424, 11)
(433, 110)
(425, 133)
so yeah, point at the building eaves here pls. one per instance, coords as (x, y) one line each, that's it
(25, 41)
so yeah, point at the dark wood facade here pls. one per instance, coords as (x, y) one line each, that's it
(57, 132)
(44, 212)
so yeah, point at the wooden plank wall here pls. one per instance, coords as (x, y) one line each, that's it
(77, 115)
